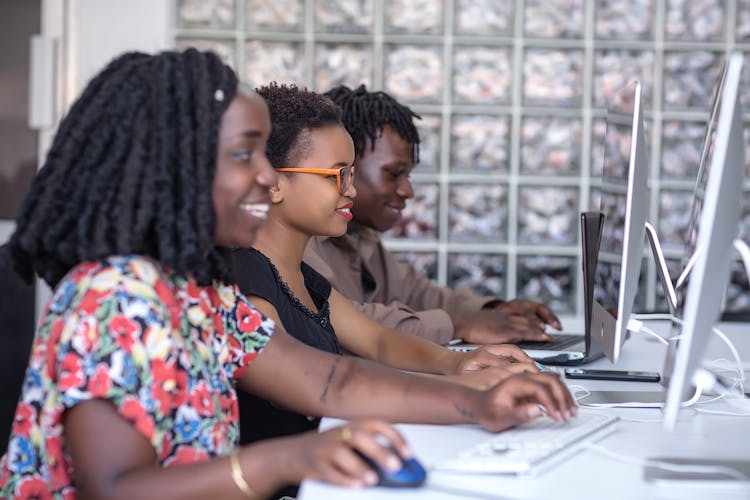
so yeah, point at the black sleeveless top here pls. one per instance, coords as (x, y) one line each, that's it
(256, 275)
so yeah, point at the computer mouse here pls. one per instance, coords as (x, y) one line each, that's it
(411, 474)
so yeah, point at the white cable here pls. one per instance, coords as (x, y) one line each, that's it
(660, 464)
(654, 316)
(744, 250)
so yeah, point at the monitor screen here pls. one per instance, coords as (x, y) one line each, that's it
(714, 226)
(623, 200)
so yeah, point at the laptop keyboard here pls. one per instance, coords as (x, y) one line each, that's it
(526, 448)
(561, 342)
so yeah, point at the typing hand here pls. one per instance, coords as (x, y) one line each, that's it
(532, 310)
(490, 377)
(517, 399)
(491, 326)
(498, 355)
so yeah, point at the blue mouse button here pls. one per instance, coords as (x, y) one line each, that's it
(411, 474)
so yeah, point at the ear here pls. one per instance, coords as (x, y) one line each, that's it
(277, 195)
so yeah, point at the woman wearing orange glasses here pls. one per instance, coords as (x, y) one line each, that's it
(314, 195)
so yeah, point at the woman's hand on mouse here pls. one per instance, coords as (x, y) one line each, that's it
(520, 398)
(330, 457)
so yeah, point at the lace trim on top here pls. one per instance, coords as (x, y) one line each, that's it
(321, 317)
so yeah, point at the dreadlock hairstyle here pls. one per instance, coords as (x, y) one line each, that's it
(365, 113)
(130, 171)
(294, 112)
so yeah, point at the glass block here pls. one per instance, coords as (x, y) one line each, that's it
(598, 130)
(224, 49)
(344, 16)
(482, 273)
(674, 216)
(414, 16)
(414, 73)
(738, 291)
(624, 19)
(744, 88)
(694, 20)
(742, 29)
(480, 143)
(274, 15)
(607, 283)
(267, 62)
(212, 14)
(548, 215)
(478, 213)
(550, 146)
(553, 77)
(429, 142)
(484, 17)
(342, 64)
(614, 69)
(689, 78)
(682, 145)
(553, 18)
(419, 220)
(424, 261)
(482, 74)
(549, 280)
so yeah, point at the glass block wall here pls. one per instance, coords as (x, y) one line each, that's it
(513, 95)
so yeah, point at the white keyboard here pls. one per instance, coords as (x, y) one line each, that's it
(529, 447)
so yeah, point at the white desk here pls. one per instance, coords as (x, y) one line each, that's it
(589, 474)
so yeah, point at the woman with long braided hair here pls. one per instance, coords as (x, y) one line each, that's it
(158, 166)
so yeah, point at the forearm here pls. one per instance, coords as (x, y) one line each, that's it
(404, 351)
(262, 466)
(318, 383)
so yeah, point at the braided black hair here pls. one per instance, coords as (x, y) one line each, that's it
(130, 171)
(365, 113)
(294, 111)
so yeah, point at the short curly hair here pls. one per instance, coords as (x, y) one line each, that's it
(365, 113)
(294, 111)
(130, 171)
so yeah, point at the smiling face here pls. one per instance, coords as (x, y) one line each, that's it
(311, 203)
(382, 181)
(243, 174)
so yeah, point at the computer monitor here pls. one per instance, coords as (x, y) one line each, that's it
(623, 202)
(675, 302)
(714, 224)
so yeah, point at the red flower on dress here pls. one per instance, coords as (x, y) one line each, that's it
(201, 399)
(248, 319)
(100, 382)
(170, 385)
(186, 454)
(33, 488)
(124, 330)
(55, 332)
(91, 300)
(56, 464)
(71, 372)
(23, 420)
(134, 411)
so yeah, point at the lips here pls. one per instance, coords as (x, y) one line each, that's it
(257, 210)
(345, 211)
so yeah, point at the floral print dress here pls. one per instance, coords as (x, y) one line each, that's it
(162, 349)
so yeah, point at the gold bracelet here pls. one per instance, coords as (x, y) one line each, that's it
(239, 478)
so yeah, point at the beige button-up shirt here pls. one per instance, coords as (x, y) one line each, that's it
(403, 297)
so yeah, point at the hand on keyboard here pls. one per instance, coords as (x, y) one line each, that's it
(516, 400)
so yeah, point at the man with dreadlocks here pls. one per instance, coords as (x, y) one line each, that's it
(394, 293)
(156, 171)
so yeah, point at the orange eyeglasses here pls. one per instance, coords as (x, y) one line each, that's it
(344, 175)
